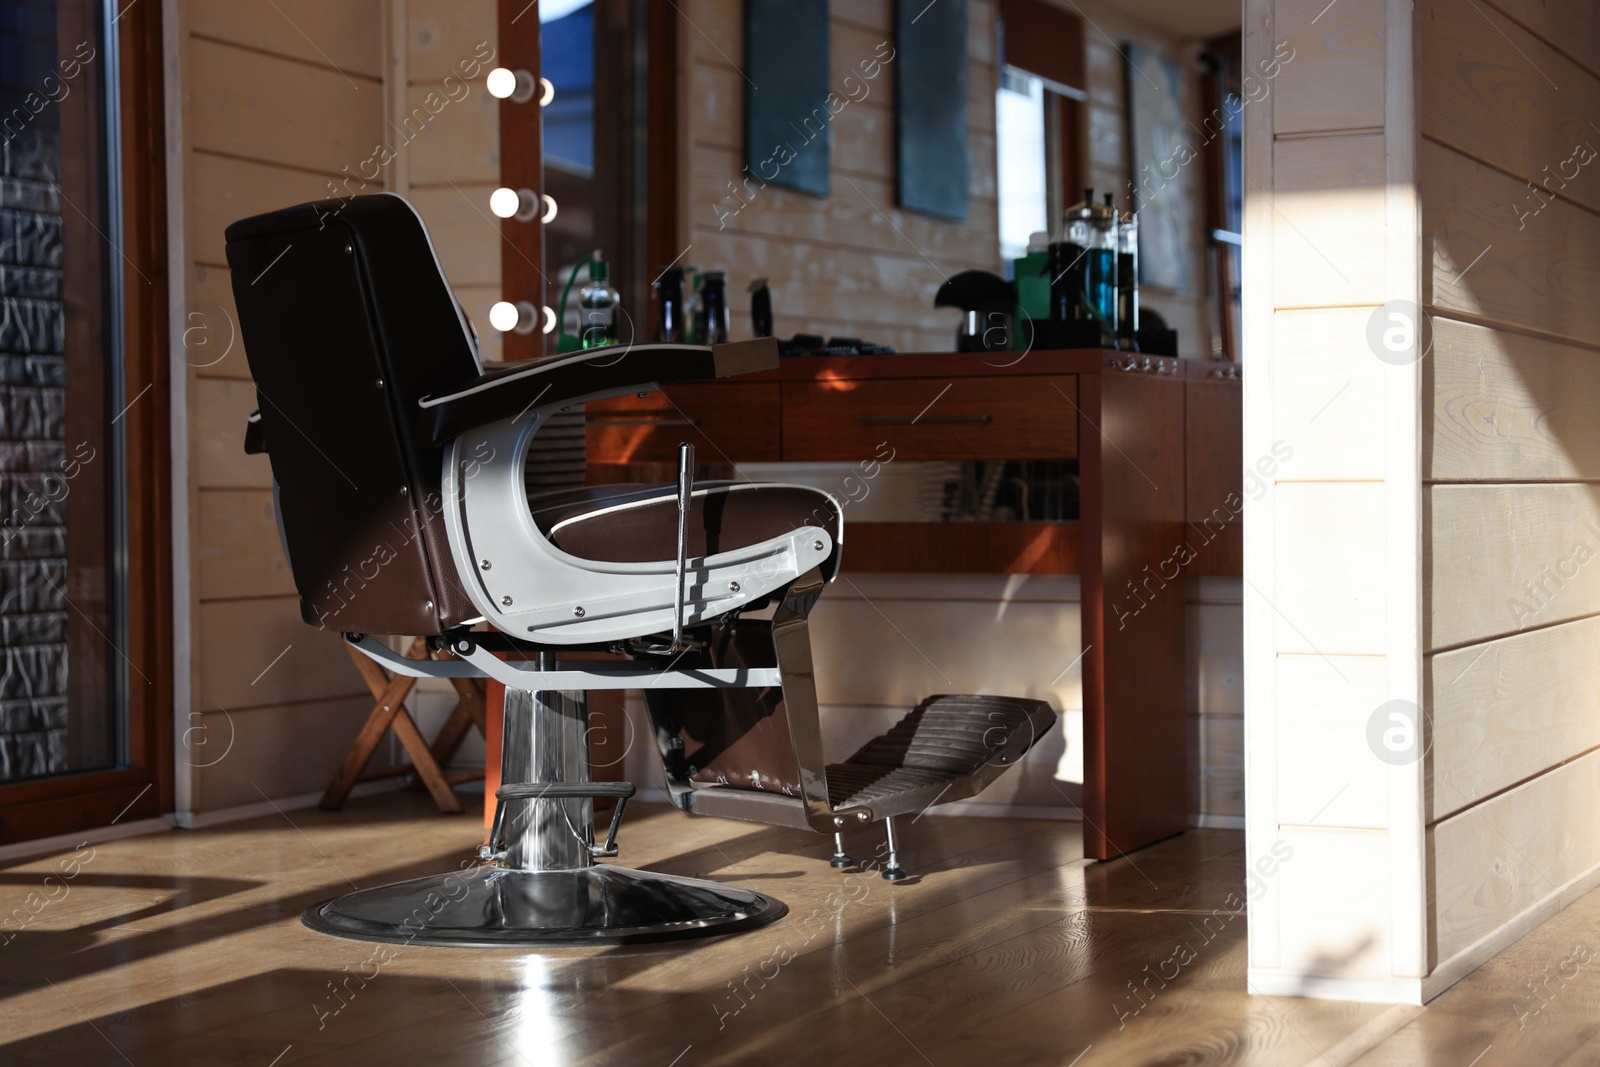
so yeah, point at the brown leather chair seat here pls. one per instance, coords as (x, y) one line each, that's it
(639, 523)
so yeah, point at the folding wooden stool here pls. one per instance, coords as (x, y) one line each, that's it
(389, 713)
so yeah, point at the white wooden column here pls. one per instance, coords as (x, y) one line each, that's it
(1333, 562)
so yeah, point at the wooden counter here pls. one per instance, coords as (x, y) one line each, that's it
(1158, 446)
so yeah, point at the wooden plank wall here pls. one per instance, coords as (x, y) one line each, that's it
(447, 172)
(1215, 681)
(278, 100)
(453, 166)
(1326, 585)
(853, 264)
(1511, 454)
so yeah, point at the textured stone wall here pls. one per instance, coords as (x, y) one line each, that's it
(33, 448)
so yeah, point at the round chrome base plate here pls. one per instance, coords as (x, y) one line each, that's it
(491, 907)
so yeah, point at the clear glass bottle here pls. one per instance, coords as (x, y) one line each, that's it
(1068, 267)
(1128, 283)
(1100, 276)
(599, 306)
(694, 310)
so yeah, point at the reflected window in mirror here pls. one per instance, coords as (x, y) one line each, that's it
(1036, 135)
(1023, 178)
(596, 138)
(1225, 193)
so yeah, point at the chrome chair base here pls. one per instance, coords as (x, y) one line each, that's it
(495, 907)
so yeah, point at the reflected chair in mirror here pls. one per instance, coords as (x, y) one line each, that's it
(398, 462)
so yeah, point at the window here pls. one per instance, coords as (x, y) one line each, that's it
(595, 139)
(85, 630)
(61, 687)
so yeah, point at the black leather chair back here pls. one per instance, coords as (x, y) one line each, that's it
(347, 322)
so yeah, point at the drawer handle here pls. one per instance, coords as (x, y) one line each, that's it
(642, 420)
(905, 420)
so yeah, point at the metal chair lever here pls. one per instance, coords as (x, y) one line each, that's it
(685, 495)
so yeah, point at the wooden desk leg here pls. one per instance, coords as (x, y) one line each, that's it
(1135, 728)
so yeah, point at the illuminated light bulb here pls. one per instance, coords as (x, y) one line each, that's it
(549, 208)
(520, 317)
(518, 86)
(547, 92)
(520, 204)
(500, 82)
(505, 203)
(549, 319)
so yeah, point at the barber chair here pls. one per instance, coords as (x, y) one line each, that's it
(398, 462)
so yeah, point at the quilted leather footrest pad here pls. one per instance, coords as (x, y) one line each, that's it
(944, 739)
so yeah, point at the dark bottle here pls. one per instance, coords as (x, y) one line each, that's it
(714, 294)
(669, 289)
(1064, 265)
(760, 307)
(1083, 274)
(1128, 283)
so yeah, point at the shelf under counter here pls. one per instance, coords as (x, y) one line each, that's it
(962, 548)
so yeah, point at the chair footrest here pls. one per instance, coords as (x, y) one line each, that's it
(563, 790)
(953, 745)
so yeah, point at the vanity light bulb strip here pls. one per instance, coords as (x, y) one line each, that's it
(520, 317)
(518, 86)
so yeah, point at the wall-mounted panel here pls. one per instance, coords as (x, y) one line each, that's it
(786, 107)
(1329, 67)
(1328, 221)
(1330, 596)
(930, 72)
(1328, 396)
(1537, 273)
(1511, 709)
(1512, 854)
(1506, 558)
(1507, 407)
(1496, 92)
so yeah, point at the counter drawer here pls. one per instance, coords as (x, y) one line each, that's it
(1021, 417)
(732, 422)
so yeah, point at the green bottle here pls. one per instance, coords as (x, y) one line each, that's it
(599, 306)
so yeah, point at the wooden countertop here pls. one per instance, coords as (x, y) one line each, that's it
(991, 364)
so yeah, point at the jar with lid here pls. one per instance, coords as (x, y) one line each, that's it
(1128, 282)
(1100, 273)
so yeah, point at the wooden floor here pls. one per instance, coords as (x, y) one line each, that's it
(1007, 948)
